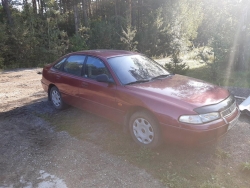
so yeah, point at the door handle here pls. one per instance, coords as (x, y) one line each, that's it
(85, 84)
(58, 76)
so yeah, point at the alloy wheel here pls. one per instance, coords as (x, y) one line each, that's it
(56, 98)
(143, 131)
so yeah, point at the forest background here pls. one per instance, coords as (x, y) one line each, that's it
(214, 34)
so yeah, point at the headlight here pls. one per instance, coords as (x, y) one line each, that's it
(198, 119)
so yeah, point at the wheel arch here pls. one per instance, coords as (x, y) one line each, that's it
(131, 111)
(50, 86)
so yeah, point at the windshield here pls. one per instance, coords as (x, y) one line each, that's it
(131, 69)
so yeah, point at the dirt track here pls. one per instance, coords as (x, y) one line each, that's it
(32, 154)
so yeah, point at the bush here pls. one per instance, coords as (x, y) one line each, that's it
(176, 66)
(77, 43)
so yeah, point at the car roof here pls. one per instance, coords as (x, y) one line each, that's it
(105, 53)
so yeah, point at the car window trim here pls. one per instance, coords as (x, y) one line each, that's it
(59, 62)
(62, 70)
(87, 56)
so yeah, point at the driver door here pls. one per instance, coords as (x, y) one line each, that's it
(98, 97)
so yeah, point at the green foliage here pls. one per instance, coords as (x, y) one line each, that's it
(176, 66)
(128, 39)
(221, 31)
(41, 33)
(154, 37)
(77, 43)
(34, 40)
(207, 56)
(103, 35)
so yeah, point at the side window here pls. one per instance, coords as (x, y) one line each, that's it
(74, 64)
(59, 64)
(95, 67)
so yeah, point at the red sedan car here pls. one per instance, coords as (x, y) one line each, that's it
(129, 88)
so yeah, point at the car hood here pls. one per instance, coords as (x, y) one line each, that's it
(182, 90)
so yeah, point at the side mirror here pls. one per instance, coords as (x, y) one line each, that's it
(103, 78)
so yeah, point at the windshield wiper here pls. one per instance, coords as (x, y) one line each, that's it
(161, 76)
(137, 81)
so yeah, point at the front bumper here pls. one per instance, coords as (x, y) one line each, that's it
(200, 134)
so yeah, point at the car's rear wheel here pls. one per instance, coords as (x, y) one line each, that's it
(56, 98)
(144, 129)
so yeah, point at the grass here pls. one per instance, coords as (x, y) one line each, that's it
(203, 72)
(175, 166)
(236, 78)
(221, 154)
(245, 167)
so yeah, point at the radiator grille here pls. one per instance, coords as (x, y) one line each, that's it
(229, 110)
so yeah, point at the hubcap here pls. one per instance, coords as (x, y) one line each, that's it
(143, 131)
(56, 99)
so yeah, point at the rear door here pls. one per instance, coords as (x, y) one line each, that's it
(68, 78)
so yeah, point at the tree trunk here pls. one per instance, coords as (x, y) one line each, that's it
(242, 53)
(116, 14)
(76, 16)
(41, 6)
(34, 6)
(64, 6)
(139, 16)
(85, 16)
(6, 8)
(89, 8)
(96, 7)
(129, 14)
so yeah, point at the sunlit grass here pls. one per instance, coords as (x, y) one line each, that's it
(237, 78)
(200, 70)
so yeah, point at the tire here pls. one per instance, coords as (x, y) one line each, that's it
(145, 130)
(246, 112)
(56, 98)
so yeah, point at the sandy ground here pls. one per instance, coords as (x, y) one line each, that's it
(20, 87)
(33, 154)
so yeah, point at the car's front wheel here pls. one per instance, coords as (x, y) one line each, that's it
(56, 98)
(144, 129)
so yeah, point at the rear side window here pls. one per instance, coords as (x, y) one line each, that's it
(95, 67)
(59, 64)
(74, 64)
